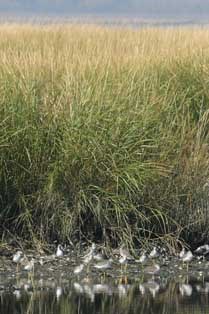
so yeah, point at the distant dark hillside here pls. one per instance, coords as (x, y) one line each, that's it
(108, 6)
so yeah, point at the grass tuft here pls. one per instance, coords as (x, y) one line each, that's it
(104, 134)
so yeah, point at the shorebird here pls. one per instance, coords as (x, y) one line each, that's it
(30, 265)
(17, 257)
(202, 250)
(154, 253)
(92, 249)
(104, 264)
(87, 259)
(78, 269)
(125, 255)
(89, 255)
(59, 252)
(122, 260)
(182, 253)
(143, 258)
(187, 257)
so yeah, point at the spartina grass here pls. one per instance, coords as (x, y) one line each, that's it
(104, 133)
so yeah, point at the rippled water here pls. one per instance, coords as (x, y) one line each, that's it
(53, 288)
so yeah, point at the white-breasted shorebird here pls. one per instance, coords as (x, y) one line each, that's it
(106, 264)
(17, 257)
(59, 251)
(182, 253)
(123, 260)
(87, 259)
(125, 255)
(187, 257)
(78, 269)
(154, 253)
(89, 255)
(142, 258)
(30, 265)
(202, 250)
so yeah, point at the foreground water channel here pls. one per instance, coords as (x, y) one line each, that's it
(53, 287)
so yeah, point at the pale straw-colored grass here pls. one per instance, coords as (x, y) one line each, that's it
(104, 132)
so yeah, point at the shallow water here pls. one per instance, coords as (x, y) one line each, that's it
(53, 288)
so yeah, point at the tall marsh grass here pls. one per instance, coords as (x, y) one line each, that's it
(104, 133)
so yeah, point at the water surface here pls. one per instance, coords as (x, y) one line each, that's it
(53, 288)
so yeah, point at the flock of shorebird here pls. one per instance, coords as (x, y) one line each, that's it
(101, 262)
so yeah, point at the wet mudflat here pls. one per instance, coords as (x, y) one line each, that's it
(53, 287)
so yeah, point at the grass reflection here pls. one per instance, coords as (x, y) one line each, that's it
(150, 296)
